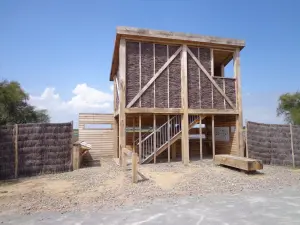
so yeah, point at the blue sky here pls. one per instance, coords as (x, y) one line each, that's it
(61, 51)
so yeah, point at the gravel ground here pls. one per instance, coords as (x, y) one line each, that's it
(108, 187)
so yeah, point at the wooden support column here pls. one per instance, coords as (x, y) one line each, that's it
(174, 151)
(184, 106)
(122, 98)
(154, 139)
(133, 135)
(140, 138)
(169, 138)
(213, 135)
(200, 134)
(239, 125)
(116, 137)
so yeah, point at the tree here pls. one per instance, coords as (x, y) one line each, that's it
(289, 107)
(14, 107)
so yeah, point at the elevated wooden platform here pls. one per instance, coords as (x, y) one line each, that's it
(242, 163)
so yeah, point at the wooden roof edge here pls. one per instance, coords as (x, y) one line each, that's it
(147, 34)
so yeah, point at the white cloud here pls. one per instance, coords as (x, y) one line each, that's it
(85, 100)
(111, 87)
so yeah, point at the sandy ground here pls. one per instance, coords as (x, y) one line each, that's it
(109, 187)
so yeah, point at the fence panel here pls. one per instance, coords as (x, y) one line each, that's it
(41, 148)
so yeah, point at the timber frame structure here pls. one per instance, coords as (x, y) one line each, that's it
(172, 98)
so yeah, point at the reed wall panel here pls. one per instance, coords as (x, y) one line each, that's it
(193, 81)
(161, 83)
(132, 70)
(7, 153)
(174, 79)
(230, 92)
(147, 72)
(218, 98)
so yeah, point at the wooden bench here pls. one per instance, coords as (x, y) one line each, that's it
(245, 164)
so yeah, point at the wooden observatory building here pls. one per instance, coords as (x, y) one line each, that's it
(172, 97)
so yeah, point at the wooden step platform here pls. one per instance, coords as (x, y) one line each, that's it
(246, 164)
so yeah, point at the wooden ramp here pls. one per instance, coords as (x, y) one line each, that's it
(242, 163)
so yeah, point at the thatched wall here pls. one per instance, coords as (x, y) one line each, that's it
(7, 153)
(271, 143)
(42, 148)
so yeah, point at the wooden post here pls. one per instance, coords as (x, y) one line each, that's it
(16, 150)
(246, 139)
(76, 156)
(154, 139)
(237, 75)
(200, 133)
(174, 151)
(116, 147)
(213, 135)
(134, 168)
(184, 106)
(140, 139)
(133, 135)
(169, 139)
(122, 97)
(292, 145)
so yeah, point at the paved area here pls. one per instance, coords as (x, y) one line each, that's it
(267, 207)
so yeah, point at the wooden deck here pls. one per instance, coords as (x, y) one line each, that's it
(242, 163)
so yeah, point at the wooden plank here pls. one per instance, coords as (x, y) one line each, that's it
(213, 135)
(134, 167)
(292, 145)
(122, 116)
(179, 36)
(133, 134)
(16, 132)
(154, 137)
(153, 78)
(211, 79)
(237, 75)
(140, 138)
(200, 134)
(184, 106)
(242, 163)
(169, 138)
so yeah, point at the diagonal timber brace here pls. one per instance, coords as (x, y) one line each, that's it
(211, 79)
(153, 78)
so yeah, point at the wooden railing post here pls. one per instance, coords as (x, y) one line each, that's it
(76, 156)
(16, 150)
(134, 168)
(292, 144)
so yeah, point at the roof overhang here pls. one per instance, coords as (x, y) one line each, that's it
(167, 37)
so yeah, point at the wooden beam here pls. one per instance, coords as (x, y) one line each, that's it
(154, 138)
(153, 110)
(237, 75)
(200, 134)
(169, 138)
(213, 135)
(184, 106)
(212, 111)
(140, 138)
(179, 36)
(122, 98)
(154, 78)
(242, 163)
(211, 79)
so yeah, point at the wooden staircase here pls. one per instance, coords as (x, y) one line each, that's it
(166, 134)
